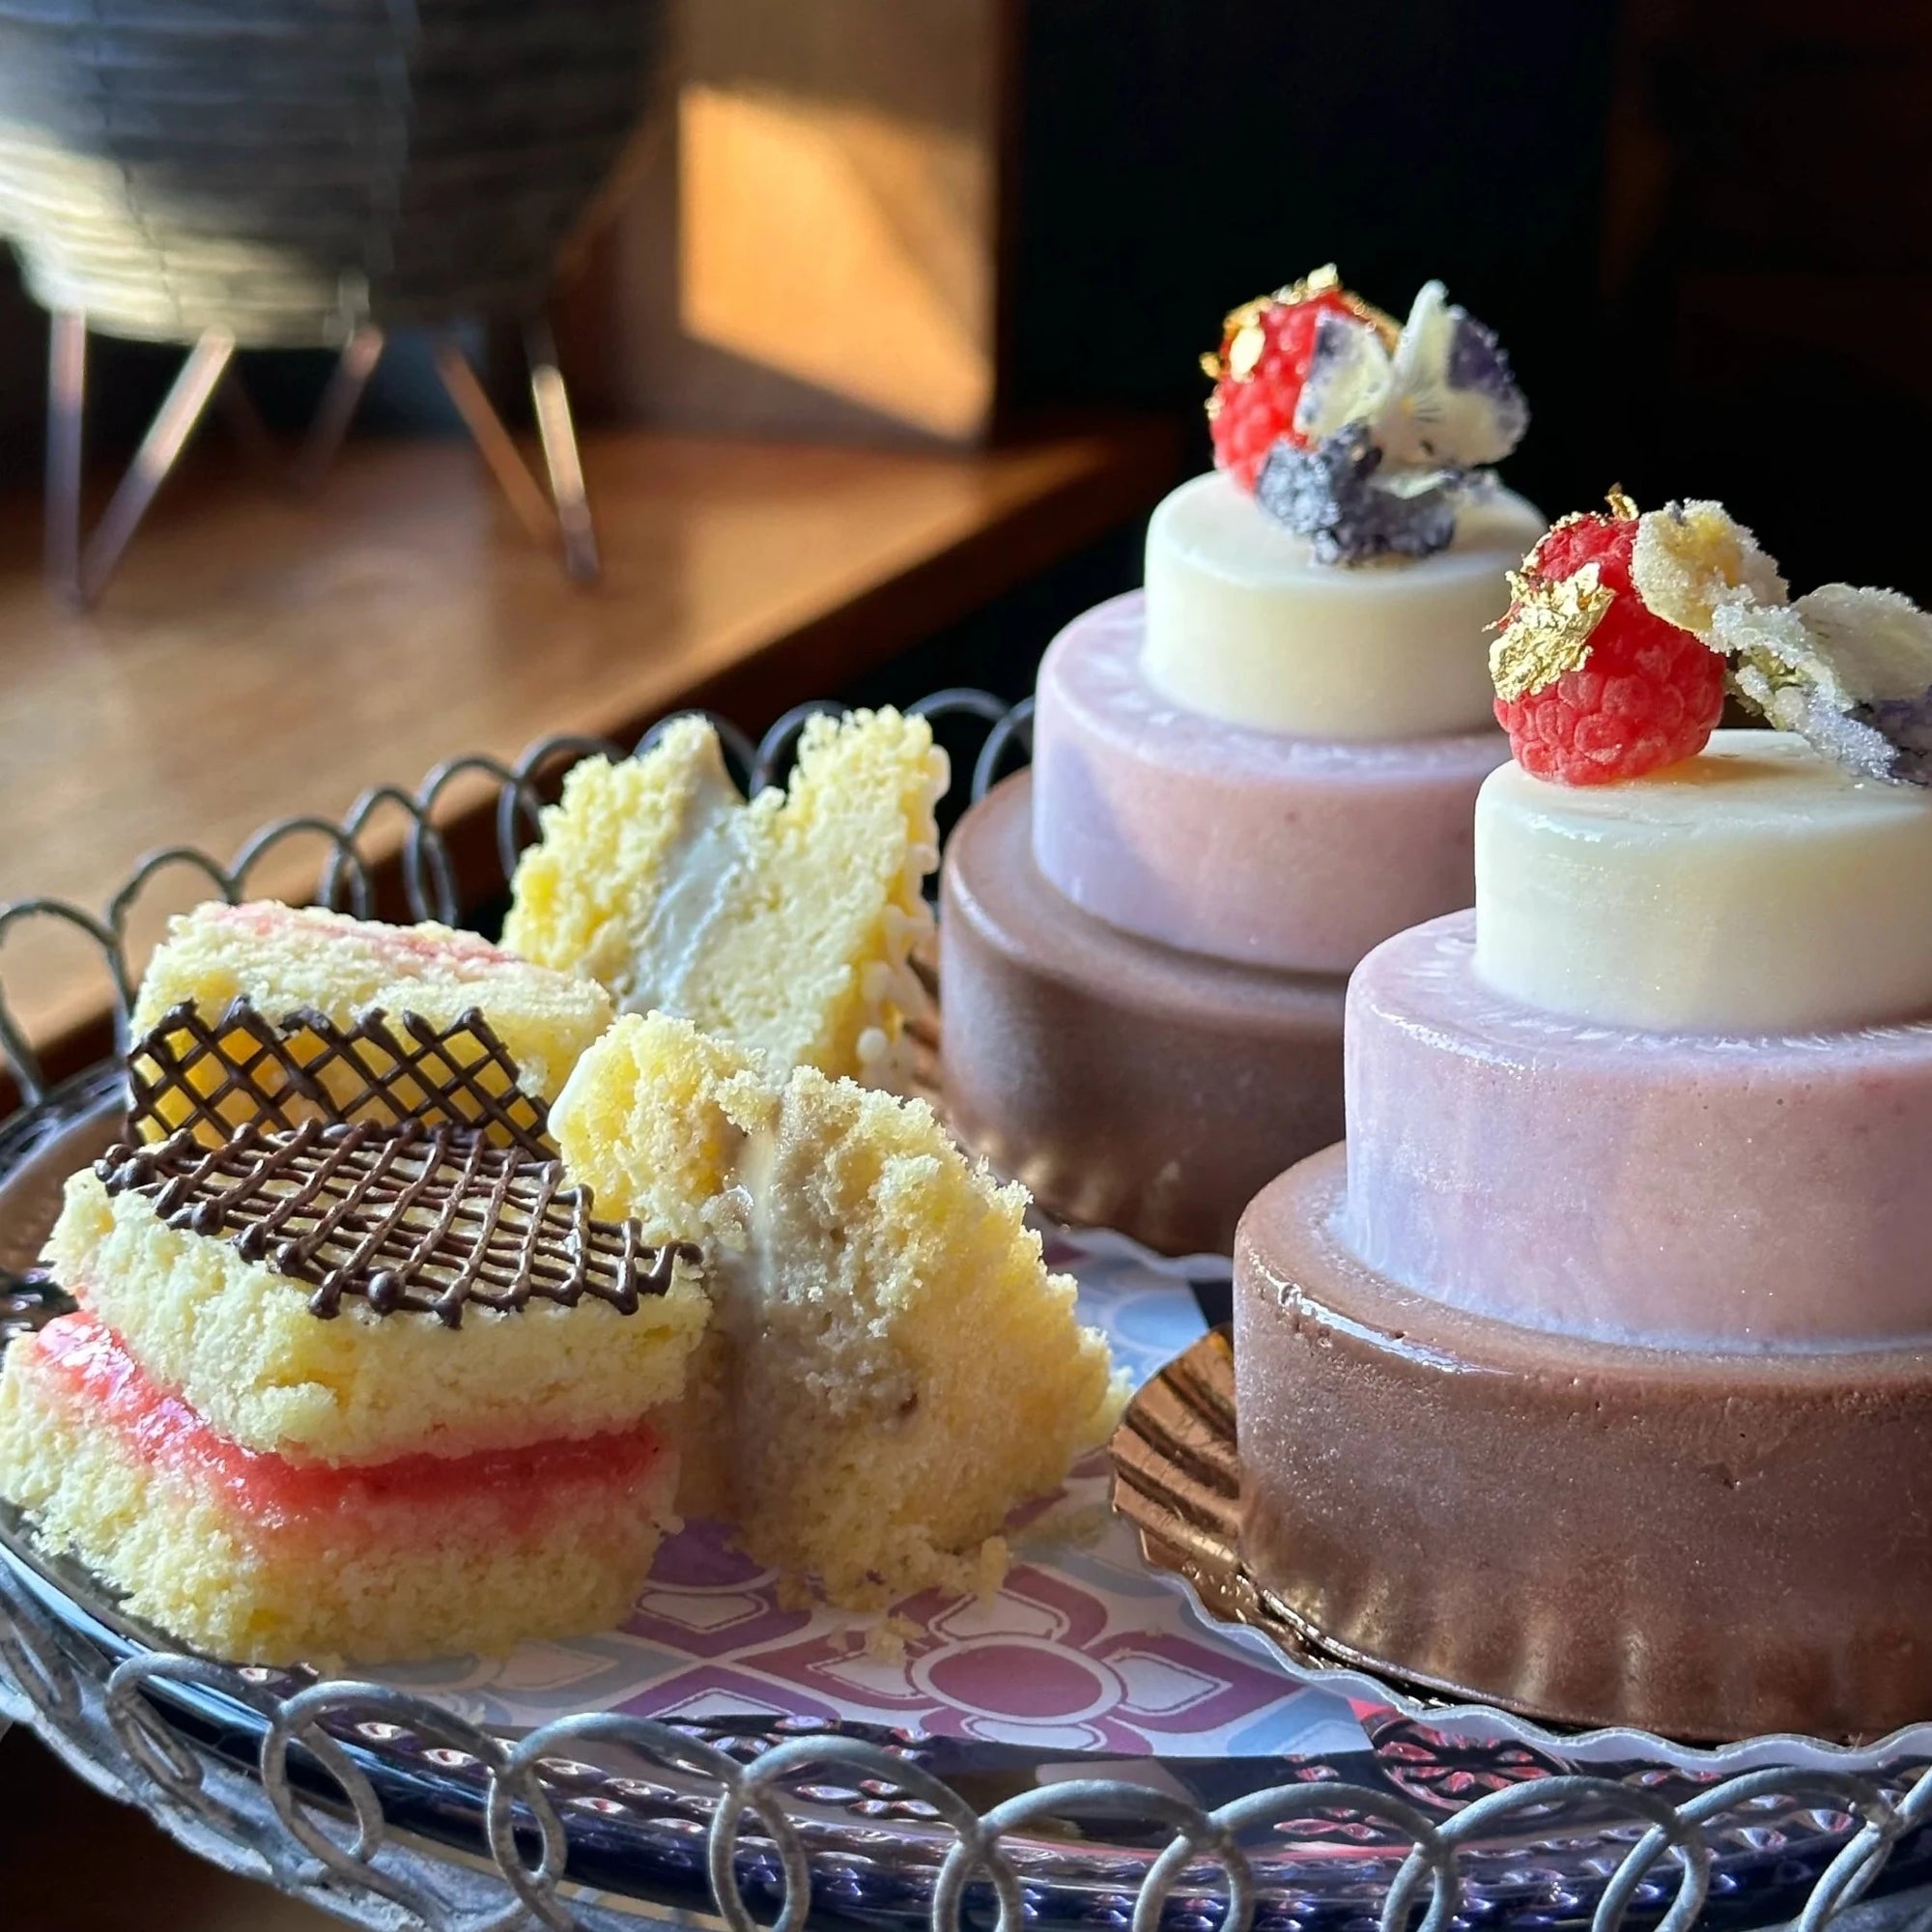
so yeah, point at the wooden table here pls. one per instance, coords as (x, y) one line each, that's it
(260, 655)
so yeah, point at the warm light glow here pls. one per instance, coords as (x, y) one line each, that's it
(792, 219)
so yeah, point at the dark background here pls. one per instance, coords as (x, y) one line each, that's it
(1179, 160)
(1700, 227)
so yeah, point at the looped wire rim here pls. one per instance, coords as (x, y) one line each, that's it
(430, 884)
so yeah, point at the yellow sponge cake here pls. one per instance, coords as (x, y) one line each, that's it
(231, 1331)
(281, 960)
(902, 1370)
(261, 1561)
(783, 925)
(349, 1392)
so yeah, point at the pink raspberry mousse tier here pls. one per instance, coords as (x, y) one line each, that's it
(1710, 1543)
(250, 1556)
(1255, 846)
(1691, 1190)
(1126, 1083)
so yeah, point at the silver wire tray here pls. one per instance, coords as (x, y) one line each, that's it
(389, 1810)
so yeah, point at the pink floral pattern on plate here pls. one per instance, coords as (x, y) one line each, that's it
(1081, 1650)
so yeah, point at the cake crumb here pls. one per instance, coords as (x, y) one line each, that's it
(885, 1642)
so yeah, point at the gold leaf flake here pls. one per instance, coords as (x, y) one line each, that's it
(1236, 322)
(1243, 340)
(1244, 352)
(1326, 280)
(1548, 629)
(1240, 326)
(1237, 319)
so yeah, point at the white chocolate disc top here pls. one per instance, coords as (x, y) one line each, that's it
(1244, 625)
(1755, 887)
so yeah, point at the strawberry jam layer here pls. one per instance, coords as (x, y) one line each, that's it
(269, 919)
(519, 1488)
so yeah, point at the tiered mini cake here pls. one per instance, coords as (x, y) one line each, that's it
(1242, 778)
(1594, 1374)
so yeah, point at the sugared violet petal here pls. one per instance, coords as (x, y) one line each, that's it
(1337, 496)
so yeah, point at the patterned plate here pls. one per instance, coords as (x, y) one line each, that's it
(421, 1745)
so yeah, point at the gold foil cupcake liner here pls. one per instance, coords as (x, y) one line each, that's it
(1178, 1479)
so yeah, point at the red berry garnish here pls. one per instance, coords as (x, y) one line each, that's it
(1645, 694)
(1260, 377)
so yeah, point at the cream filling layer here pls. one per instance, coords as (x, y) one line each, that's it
(903, 1015)
(899, 1005)
(700, 870)
(746, 1277)
(826, 1342)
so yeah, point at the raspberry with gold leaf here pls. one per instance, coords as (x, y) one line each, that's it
(1593, 687)
(1263, 362)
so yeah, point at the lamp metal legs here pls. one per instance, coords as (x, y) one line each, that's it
(79, 565)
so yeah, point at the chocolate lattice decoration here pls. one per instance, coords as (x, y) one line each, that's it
(213, 1076)
(422, 1219)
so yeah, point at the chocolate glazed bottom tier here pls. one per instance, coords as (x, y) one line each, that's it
(1710, 1546)
(1128, 1085)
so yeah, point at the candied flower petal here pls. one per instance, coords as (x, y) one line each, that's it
(1848, 669)
(1690, 559)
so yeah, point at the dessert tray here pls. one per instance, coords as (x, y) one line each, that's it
(1119, 1738)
